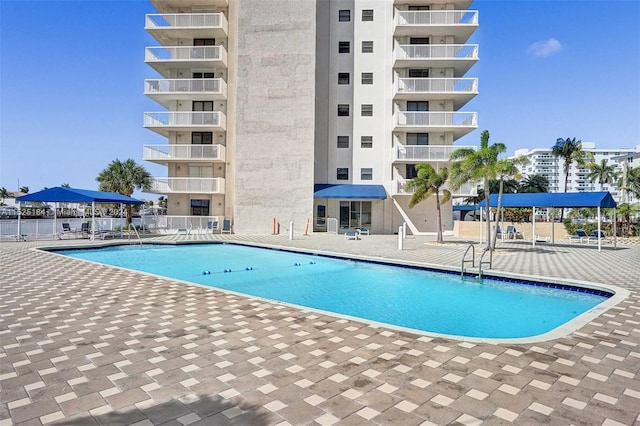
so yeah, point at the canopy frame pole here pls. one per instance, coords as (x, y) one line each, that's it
(599, 235)
(533, 226)
(55, 219)
(93, 220)
(615, 230)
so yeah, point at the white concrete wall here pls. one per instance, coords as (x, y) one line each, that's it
(274, 110)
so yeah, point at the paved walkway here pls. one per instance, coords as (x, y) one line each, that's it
(90, 344)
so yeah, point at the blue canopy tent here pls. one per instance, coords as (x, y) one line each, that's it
(598, 200)
(61, 194)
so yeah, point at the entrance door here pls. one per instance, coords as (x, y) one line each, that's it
(320, 223)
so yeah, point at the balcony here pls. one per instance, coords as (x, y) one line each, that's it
(175, 185)
(459, 123)
(399, 187)
(197, 89)
(425, 153)
(167, 27)
(173, 5)
(166, 121)
(457, 4)
(164, 58)
(164, 154)
(457, 23)
(460, 57)
(460, 90)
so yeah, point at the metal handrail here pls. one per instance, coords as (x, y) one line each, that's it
(132, 226)
(490, 262)
(473, 259)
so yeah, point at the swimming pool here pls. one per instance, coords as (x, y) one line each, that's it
(412, 298)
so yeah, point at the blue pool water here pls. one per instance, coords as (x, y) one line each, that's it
(407, 297)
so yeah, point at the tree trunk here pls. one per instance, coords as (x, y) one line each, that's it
(440, 239)
(498, 216)
(486, 198)
(129, 214)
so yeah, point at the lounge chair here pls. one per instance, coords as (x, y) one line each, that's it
(184, 230)
(352, 235)
(67, 230)
(226, 227)
(85, 230)
(579, 237)
(513, 233)
(602, 237)
(363, 231)
(213, 226)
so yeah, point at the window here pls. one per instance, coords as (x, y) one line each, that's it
(342, 173)
(343, 141)
(344, 47)
(366, 141)
(367, 14)
(411, 172)
(417, 138)
(344, 15)
(367, 46)
(343, 110)
(366, 110)
(201, 138)
(202, 106)
(366, 174)
(199, 207)
(367, 78)
(204, 41)
(417, 106)
(343, 78)
(418, 73)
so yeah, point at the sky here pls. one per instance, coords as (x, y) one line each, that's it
(72, 72)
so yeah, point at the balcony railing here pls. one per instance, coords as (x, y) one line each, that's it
(466, 190)
(186, 20)
(417, 153)
(172, 185)
(166, 153)
(185, 85)
(185, 53)
(437, 85)
(436, 119)
(437, 17)
(436, 51)
(184, 119)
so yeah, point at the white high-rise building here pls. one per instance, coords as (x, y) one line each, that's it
(308, 110)
(542, 162)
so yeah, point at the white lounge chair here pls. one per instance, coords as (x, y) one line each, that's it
(352, 235)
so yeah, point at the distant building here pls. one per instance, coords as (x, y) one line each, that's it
(542, 162)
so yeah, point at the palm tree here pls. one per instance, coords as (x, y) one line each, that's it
(472, 165)
(65, 185)
(428, 183)
(124, 177)
(571, 151)
(24, 189)
(603, 173)
(534, 183)
(630, 182)
(505, 168)
(4, 194)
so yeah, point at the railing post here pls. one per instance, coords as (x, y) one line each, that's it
(400, 238)
(404, 230)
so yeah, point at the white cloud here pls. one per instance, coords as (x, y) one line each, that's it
(545, 48)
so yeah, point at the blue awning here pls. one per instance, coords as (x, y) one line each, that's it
(553, 199)
(73, 195)
(350, 192)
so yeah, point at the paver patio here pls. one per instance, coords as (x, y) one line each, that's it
(90, 344)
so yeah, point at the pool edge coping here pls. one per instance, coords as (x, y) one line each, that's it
(618, 294)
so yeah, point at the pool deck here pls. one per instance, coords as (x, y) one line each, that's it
(84, 344)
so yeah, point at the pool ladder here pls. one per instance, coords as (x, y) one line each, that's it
(473, 260)
(464, 256)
